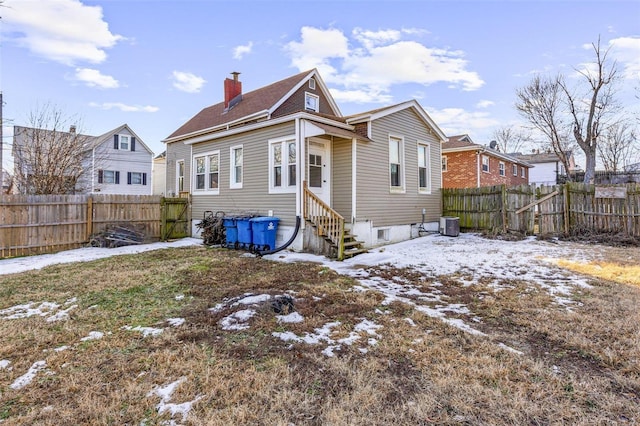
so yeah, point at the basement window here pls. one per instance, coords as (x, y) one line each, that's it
(383, 234)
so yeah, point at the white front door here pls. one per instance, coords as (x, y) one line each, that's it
(319, 169)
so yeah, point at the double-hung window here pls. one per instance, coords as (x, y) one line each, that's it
(485, 163)
(207, 173)
(282, 165)
(236, 167)
(179, 176)
(108, 176)
(136, 178)
(515, 169)
(444, 163)
(396, 172)
(424, 169)
(124, 142)
(501, 168)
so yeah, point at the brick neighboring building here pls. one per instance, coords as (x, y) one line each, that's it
(466, 164)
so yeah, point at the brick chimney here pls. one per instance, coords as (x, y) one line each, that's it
(232, 90)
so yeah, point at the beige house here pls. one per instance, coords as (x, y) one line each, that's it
(285, 150)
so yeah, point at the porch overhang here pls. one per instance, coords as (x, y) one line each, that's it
(329, 130)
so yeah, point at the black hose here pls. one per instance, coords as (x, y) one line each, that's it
(285, 245)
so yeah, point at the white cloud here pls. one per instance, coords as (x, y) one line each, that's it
(187, 82)
(93, 78)
(626, 50)
(123, 107)
(369, 63)
(317, 48)
(64, 31)
(455, 121)
(240, 51)
(485, 104)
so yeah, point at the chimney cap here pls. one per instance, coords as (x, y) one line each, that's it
(235, 75)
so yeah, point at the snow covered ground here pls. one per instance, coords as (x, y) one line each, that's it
(469, 256)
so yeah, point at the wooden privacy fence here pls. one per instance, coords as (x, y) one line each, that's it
(549, 210)
(35, 224)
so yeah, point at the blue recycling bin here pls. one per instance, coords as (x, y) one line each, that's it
(264, 230)
(231, 231)
(244, 232)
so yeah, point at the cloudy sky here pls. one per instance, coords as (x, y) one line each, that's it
(153, 64)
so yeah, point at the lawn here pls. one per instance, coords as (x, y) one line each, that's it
(434, 331)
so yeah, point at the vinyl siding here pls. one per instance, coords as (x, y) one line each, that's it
(341, 178)
(123, 161)
(375, 201)
(177, 151)
(253, 197)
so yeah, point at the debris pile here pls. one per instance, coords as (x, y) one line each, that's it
(117, 236)
(212, 225)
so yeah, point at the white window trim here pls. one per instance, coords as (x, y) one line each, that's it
(522, 173)
(502, 171)
(514, 168)
(427, 146)
(285, 188)
(232, 175)
(308, 95)
(120, 142)
(488, 164)
(444, 162)
(312, 83)
(402, 188)
(184, 167)
(104, 177)
(194, 187)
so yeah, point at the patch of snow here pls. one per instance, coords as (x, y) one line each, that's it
(237, 320)
(176, 322)
(179, 297)
(85, 254)
(166, 393)
(219, 307)
(253, 299)
(293, 317)
(93, 335)
(61, 348)
(28, 377)
(61, 315)
(4, 364)
(146, 331)
(410, 322)
(28, 310)
(510, 349)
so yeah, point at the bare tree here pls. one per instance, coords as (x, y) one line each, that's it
(541, 104)
(557, 110)
(618, 147)
(511, 139)
(51, 155)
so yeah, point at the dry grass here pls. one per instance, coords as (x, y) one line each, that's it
(577, 366)
(606, 270)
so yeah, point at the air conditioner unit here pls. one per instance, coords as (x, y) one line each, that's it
(449, 226)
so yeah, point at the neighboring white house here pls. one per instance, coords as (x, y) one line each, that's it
(117, 162)
(548, 168)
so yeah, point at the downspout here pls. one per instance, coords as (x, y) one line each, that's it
(478, 169)
(298, 177)
(93, 170)
(302, 149)
(354, 173)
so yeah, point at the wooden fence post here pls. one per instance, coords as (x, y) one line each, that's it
(504, 209)
(89, 217)
(566, 213)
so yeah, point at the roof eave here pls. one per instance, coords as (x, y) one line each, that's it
(256, 115)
